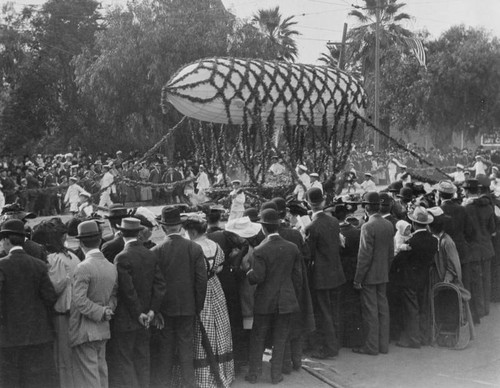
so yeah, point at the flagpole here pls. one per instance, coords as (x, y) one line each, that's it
(376, 138)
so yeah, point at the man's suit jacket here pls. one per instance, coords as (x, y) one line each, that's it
(111, 248)
(349, 252)
(95, 284)
(412, 267)
(155, 176)
(278, 274)
(458, 227)
(324, 245)
(295, 237)
(26, 296)
(141, 286)
(33, 249)
(392, 219)
(376, 251)
(183, 266)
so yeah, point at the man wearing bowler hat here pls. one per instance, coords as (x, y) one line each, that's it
(376, 251)
(183, 266)
(95, 284)
(277, 272)
(111, 248)
(26, 296)
(323, 237)
(141, 288)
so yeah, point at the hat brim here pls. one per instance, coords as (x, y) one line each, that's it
(90, 235)
(181, 221)
(129, 229)
(7, 232)
(248, 232)
(430, 220)
(269, 223)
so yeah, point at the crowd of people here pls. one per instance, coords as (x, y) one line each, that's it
(194, 310)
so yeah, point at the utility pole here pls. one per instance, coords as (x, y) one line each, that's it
(343, 48)
(376, 137)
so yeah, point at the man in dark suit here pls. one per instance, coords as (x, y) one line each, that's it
(323, 237)
(277, 271)
(156, 177)
(302, 322)
(141, 288)
(411, 276)
(183, 266)
(376, 251)
(26, 295)
(172, 176)
(114, 246)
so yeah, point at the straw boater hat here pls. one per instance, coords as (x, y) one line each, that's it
(460, 166)
(368, 174)
(421, 216)
(302, 167)
(236, 182)
(243, 227)
(314, 175)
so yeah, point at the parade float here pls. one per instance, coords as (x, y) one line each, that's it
(243, 111)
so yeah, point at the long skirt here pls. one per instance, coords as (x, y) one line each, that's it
(216, 333)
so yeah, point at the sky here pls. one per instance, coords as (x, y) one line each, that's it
(320, 21)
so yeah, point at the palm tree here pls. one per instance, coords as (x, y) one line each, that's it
(279, 33)
(331, 58)
(362, 39)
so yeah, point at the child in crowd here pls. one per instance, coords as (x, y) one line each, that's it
(403, 233)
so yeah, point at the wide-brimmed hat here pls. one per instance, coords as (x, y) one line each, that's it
(12, 226)
(17, 211)
(269, 217)
(314, 196)
(421, 216)
(88, 229)
(171, 215)
(130, 224)
(371, 198)
(243, 227)
(117, 212)
(446, 187)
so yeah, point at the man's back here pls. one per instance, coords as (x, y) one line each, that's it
(277, 273)
(26, 296)
(141, 285)
(94, 288)
(376, 251)
(458, 227)
(324, 245)
(183, 266)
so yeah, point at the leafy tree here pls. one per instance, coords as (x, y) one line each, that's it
(279, 33)
(140, 49)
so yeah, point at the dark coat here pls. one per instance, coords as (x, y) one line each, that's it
(376, 251)
(411, 268)
(26, 297)
(141, 286)
(392, 219)
(111, 248)
(482, 218)
(183, 266)
(33, 249)
(324, 243)
(278, 274)
(349, 253)
(459, 228)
